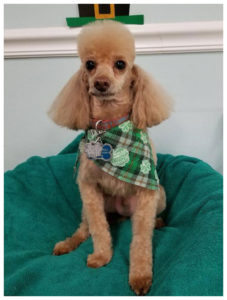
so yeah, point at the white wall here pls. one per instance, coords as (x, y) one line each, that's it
(194, 80)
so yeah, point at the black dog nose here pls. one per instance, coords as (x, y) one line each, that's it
(102, 85)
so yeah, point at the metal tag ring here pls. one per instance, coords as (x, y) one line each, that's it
(97, 123)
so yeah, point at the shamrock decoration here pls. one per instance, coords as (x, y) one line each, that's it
(144, 137)
(120, 157)
(126, 126)
(145, 166)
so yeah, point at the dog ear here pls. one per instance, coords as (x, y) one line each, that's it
(71, 107)
(151, 105)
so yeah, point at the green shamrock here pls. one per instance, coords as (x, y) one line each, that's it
(120, 157)
(144, 137)
(145, 166)
(126, 126)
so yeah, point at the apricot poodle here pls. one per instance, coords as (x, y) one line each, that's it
(114, 101)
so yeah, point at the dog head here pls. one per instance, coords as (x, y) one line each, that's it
(106, 49)
(107, 53)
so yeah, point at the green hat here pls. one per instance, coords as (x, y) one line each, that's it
(92, 12)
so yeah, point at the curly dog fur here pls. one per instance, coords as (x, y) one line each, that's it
(125, 90)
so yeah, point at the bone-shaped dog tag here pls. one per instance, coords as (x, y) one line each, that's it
(93, 150)
(96, 150)
(106, 152)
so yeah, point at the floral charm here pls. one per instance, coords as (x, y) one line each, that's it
(92, 135)
(120, 157)
(144, 137)
(145, 166)
(126, 126)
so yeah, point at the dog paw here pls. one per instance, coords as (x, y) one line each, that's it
(140, 284)
(62, 248)
(97, 260)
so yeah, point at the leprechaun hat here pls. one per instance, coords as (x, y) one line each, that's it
(92, 12)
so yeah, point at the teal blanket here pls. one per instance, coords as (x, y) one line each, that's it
(43, 206)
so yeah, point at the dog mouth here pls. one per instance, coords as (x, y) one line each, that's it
(102, 94)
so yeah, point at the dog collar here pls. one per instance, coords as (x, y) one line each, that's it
(107, 124)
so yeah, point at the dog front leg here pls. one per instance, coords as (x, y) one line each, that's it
(143, 222)
(93, 203)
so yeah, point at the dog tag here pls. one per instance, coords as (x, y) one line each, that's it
(97, 150)
(93, 150)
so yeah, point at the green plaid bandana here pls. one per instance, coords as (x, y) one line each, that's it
(132, 159)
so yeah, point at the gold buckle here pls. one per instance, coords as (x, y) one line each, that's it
(104, 16)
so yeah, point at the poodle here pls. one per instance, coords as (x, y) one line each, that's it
(114, 101)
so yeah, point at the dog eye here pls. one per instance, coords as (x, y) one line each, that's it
(90, 65)
(120, 64)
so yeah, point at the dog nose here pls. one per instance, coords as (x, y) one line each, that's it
(102, 84)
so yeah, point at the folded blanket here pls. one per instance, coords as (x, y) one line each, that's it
(43, 206)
